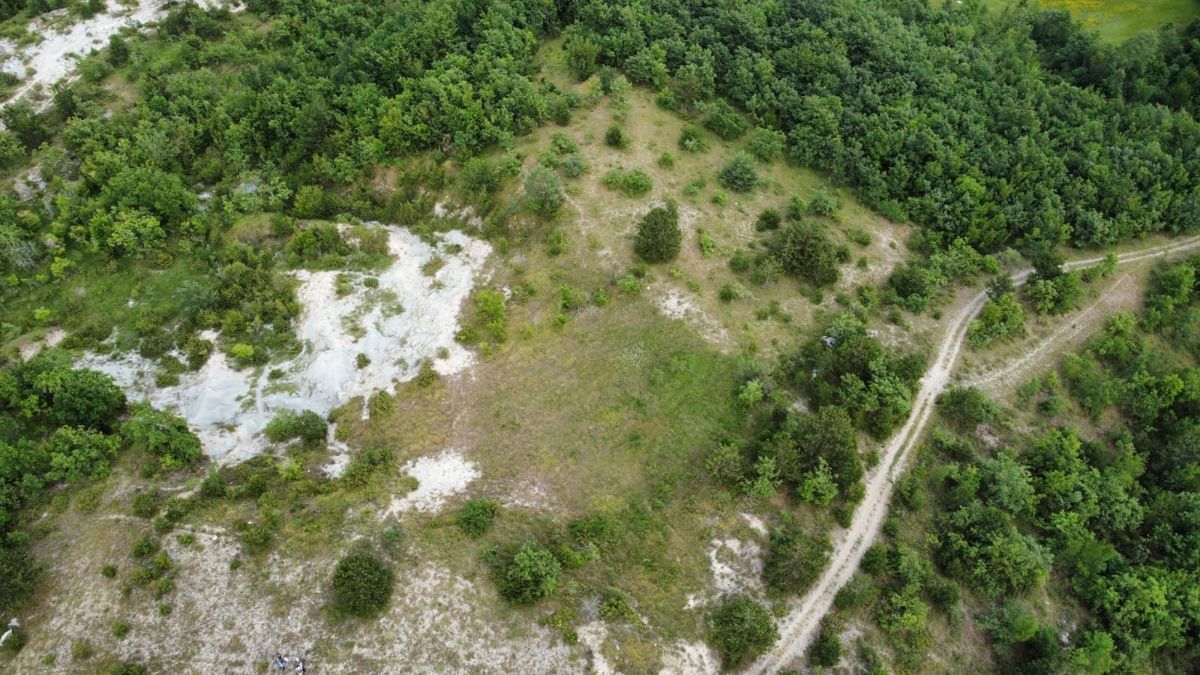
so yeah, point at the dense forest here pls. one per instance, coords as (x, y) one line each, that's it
(1048, 503)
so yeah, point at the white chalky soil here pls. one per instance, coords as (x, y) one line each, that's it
(409, 318)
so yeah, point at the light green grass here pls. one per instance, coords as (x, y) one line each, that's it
(1119, 20)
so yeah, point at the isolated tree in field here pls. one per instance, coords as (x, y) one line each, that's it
(543, 190)
(741, 628)
(362, 585)
(658, 236)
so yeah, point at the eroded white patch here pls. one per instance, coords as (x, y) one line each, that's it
(408, 318)
(438, 477)
(676, 305)
(755, 523)
(736, 566)
(52, 338)
(592, 636)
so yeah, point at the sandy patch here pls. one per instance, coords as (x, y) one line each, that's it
(438, 478)
(682, 307)
(227, 621)
(736, 566)
(408, 318)
(755, 523)
(592, 636)
(52, 338)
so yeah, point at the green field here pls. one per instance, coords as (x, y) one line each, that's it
(1118, 20)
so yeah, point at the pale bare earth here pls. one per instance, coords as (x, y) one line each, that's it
(802, 622)
(236, 620)
(407, 317)
(54, 56)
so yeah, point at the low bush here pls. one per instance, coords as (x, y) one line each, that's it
(362, 585)
(741, 628)
(476, 517)
(305, 425)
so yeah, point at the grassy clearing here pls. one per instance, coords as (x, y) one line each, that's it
(1119, 20)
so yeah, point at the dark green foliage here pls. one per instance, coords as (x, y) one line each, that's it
(853, 370)
(362, 585)
(77, 454)
(723, 120)
(1000, 319)
(306, 425)
(741, 628)
(543, 191)
(147, 504)
(766, 144)
(83, 398)
(826, 650)
(739, 174)
(691, 139)
(632, 183)
(803, 440)
(967, 407)
(615, 137)
(769, 219)
(367, 464)
(794, 559)
(530, 575)
(658, 236)
(805, 251)
(476, 517)
(162, 435)
(317, 242)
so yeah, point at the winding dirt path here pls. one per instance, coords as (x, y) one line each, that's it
(801, 624)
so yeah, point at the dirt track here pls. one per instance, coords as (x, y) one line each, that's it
(801, 624)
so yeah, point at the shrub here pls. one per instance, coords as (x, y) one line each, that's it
(794, 559)
(573, 166)
(631, 183)
(723, 120)
(768, 220)
(826, 650)
(77, 453)
(739, 174)
(213, 486)
(120, 629)
(740, 628)
(84, 398)
(531, 575)
(804, 251)
(823, 203)
(146, 504)
(543, 190)
(476, 517)
(362, 585)
(766, 144)
(615, 137)
(108, 571)
(691, 139)
(163, 435)
(658, 236)
(305, 425)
